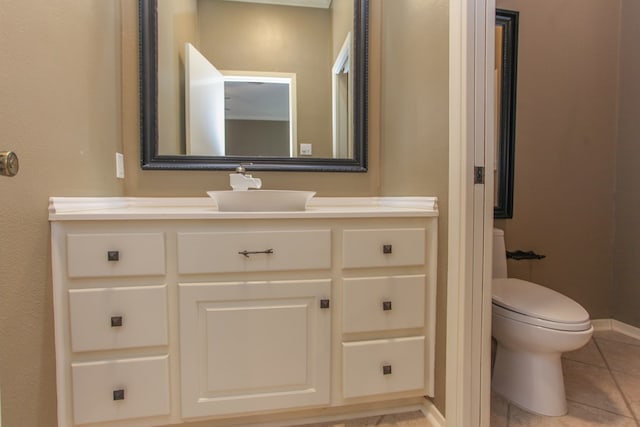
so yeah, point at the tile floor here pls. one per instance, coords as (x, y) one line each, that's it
(405, 419)
(602, 382)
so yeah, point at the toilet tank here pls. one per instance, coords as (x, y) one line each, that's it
(499, 255)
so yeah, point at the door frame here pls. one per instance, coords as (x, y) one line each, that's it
(471, 130)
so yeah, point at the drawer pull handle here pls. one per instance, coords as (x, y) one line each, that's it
(387, 249)
(248, 253)
(118, 394)
(325, 303)
(386, 370)
(113, 256)
(116, 321)
(386, 305)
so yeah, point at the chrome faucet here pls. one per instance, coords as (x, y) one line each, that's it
(241, 181)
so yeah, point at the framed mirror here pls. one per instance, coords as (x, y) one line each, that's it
(505, 78)
(277, 85)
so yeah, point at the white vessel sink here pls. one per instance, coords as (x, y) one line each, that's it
(261, 200)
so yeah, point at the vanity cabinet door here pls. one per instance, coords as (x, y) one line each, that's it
(256, 346)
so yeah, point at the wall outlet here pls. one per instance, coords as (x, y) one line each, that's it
(305, 150)
(119, 165)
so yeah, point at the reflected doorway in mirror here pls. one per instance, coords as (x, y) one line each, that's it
(238, 113)
(342, 112)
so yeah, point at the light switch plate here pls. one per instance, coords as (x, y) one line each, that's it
(119, 165)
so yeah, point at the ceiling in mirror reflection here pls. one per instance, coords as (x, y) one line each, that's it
(257, 39)
(302, 3)
(251, 100)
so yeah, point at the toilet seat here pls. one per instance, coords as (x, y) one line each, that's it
(536, 305)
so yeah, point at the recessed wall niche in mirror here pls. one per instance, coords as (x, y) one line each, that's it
(279, 85)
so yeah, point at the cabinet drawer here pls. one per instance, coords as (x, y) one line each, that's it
(103, 319)
(383, 366)
(383, 247)
(110, 255)
(383, 303)
(253, 251)
(119, 389)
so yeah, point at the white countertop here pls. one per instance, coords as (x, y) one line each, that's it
(159, 208)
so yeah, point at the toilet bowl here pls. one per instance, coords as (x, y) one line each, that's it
(533, 326)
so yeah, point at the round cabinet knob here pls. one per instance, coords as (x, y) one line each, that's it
(9, 164)
(386, 305)
(386, 370)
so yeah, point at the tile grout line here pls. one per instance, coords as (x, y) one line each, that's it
(608, 369)
(609, 411)
(613, 377)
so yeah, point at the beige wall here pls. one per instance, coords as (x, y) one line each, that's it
(70, 100)
(415, 122)
(257, 137)
(626, 296)
(60, 111)
(179, 22)
(341, 24)
(565, 147)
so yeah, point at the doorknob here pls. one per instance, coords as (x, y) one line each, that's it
(8, 163)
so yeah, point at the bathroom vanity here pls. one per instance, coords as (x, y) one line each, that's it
(168, 310)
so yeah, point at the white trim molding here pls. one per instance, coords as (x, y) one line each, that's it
(617, 326)
(471, 100)
(435, 418)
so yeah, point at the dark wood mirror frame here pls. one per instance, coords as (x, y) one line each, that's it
(151, 159)
(506, 130)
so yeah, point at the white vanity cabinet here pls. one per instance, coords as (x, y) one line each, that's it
(259, 345)
(168, 311)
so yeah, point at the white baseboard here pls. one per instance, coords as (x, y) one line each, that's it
(601, 324)
(433, 415)
(344, 415)
(616, 325)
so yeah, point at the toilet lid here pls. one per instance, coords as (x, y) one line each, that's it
(538, 302)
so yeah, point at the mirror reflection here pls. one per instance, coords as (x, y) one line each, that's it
(506, 57)
(257, 81)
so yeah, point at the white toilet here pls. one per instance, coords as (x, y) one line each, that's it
(533, 326)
